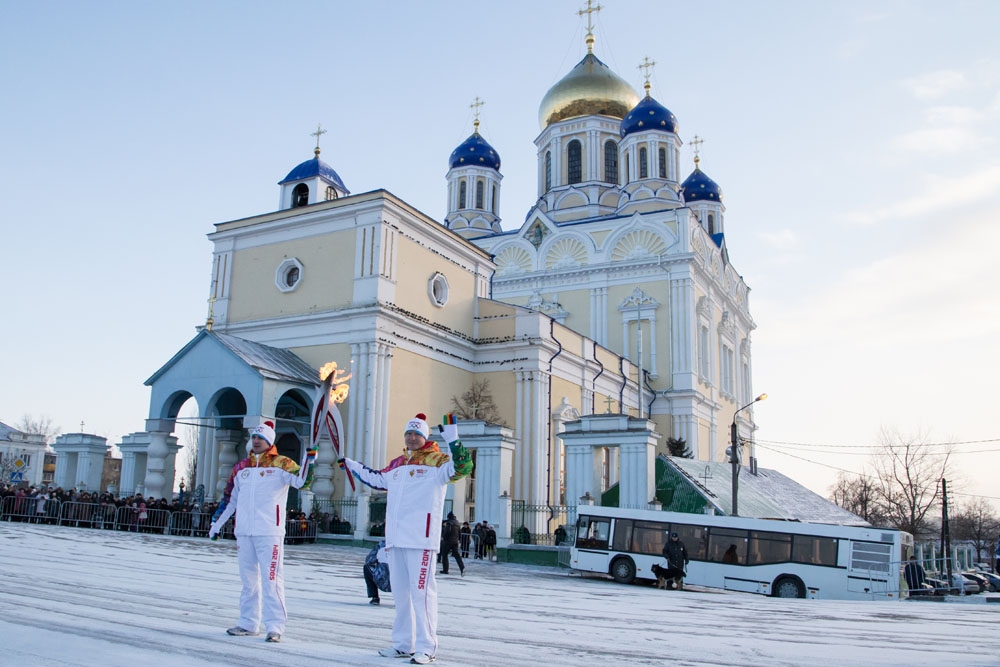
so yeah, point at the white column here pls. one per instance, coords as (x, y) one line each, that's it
(637, 484)
(226, 441)
(156, 457)
(126, 485)
(83, 471)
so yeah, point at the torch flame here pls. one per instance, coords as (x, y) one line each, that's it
(339, 387)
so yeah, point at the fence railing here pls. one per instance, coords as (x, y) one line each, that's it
(336, 517)
(539, 524)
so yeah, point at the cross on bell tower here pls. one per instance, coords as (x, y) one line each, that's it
(318, 133)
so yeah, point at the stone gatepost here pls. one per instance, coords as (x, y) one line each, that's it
(133, 448)
(79, 460)
(494, 446)
(635, 440)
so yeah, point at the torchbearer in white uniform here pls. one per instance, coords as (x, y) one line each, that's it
(257, 493)
(416, 483)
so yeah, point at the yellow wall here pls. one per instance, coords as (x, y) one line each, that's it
(326, 260)
(415, 265)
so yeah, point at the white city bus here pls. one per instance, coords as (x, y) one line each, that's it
(778, 558)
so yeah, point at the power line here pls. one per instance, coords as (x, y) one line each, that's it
(876, 446)
(861, 474)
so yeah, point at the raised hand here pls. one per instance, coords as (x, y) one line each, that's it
(449, 428)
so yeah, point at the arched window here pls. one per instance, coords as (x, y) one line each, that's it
(711, 223)
(479, 194)
(663, 163)
(643, 164)
(628, 170)
(494, 199)
(611, 162)
(331, 193)
(300, 195)
(548, 170)
(574, 155)
(461, 193)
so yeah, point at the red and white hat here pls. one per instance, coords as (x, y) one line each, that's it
(265, 430)
(418, 425)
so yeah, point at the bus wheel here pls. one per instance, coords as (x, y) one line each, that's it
(788, 587)
(623, 570)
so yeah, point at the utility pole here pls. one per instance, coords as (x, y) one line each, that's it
(734, 452)
(946, 533)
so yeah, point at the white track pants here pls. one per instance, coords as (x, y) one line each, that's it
(261, 560)
(414, 590)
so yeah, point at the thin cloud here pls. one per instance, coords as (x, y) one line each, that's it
(783, 239)
(934, 85)
(941, 195)
(938, 140)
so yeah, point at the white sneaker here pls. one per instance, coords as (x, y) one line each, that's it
(421, 659)
(393, 652)
(241, 632)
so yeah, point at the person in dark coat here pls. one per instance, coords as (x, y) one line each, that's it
(466, 539)
(451, 534)
(480, 534)
(677, 559)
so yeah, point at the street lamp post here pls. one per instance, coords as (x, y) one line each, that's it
(734, 451)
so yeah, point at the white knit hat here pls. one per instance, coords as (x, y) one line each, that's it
(265, 430)
(418, 425)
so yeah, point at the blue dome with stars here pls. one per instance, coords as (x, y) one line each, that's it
(699, 187)
(475, 152)
(312, 168)
(648, 114)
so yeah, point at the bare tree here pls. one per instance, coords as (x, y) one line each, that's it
(189, 438)
(478, 403)
(908, 473)
(41, 425)
(976, 522)
(860, 495)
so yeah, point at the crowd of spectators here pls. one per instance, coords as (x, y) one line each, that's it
(83, 509)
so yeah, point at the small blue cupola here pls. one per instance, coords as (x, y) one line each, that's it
(648, 114)
(699, 187)
(475, 152)
(704, 197)
(474, 186)
(311, 182)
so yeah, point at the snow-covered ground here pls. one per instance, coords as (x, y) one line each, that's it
(74, 596)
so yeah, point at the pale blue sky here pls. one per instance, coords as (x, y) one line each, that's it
(855, 143)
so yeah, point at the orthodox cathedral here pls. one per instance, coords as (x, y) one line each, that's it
(608, 322)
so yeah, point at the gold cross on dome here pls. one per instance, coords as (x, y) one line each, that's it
(646, 65)
(318, 133)
(589, 11)
(696, 145)
(476, 104)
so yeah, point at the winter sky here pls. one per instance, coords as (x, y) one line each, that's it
(110, 599)
(855, 142)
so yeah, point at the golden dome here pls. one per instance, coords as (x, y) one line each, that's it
(590, 88)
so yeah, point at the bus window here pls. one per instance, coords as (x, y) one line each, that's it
(592, 532)
(623, 535)
(766, 548)
(814, 550)
(648, 537)
(872, 556)
(720, 540)
(695, 539)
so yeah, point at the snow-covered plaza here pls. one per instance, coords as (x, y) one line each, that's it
(74, 596)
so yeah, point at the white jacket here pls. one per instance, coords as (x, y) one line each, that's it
(258, 499)
(415, 501)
